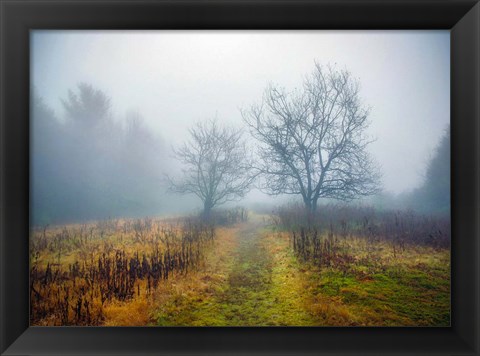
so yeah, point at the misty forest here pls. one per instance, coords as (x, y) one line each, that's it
(283, 212)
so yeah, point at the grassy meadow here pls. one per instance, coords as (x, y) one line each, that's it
(338, 144)
(246, 269)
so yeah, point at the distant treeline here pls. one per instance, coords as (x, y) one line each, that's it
(433, 195)
(86, 164)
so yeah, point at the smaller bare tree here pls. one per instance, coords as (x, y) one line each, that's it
(216, 165)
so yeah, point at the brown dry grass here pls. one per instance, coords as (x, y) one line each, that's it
(106, 273)
(174, 297)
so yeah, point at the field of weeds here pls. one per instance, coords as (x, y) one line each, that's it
(342, 267)
(79, 272)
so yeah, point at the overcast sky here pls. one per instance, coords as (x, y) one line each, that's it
(174, 78)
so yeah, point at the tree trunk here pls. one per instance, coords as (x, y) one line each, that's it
(314, 205)
(207, 210)
(310, 209)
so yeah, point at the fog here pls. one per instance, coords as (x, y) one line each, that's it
(157, 84)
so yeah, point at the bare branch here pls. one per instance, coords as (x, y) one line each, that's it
(312, 142)
(216, 165)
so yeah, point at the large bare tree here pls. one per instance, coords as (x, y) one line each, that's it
(312, 141)
(216, 165)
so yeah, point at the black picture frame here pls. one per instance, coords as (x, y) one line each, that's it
(17, 18)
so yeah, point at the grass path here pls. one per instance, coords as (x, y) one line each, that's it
(254, 290)
(249, 297)
(257, 294)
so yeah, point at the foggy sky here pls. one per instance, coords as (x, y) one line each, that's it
(175, 78)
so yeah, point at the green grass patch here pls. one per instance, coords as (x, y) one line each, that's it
(399, 296)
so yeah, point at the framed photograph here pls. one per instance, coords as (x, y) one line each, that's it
(231, 177)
